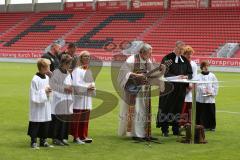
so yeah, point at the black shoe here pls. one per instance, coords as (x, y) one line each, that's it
(154, 138)
(165, 134)
(176, 133)
(138, 139)
(87, 140)
(45, 144)
(212, 129)
(151, 138)
(58, 142)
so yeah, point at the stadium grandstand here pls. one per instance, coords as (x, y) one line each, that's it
(211, 27)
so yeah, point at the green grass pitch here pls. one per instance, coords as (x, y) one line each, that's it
(224, 144)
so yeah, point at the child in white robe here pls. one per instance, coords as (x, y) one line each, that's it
(60, 83)
(84, 88)
(187, 105)
(206, 93)
(40, 108)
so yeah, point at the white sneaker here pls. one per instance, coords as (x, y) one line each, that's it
(78, 141)
(34, 146)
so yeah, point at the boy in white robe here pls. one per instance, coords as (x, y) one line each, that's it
(40, 108)
(206, 93)
(134, 116)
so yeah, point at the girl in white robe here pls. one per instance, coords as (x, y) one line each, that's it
(206, 93)
(84, 88)
(40, 108)
(187, 106)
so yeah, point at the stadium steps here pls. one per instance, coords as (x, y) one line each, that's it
(8, 20)
(77, 26)
(116, 27)
(156, 23)
(204, 29)
(27, 17)
(43, 39)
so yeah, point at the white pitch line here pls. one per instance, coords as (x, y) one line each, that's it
(229, 86)
(228, 112)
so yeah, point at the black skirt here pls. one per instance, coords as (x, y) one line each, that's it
(38, 129)
(206, 115)
(59, 127)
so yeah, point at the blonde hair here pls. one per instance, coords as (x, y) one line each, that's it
(43, 63)
(82, 54)
(188, 50)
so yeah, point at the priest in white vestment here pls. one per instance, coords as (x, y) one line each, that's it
(133, 117)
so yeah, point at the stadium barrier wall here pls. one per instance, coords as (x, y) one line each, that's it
(120, 5)
(48, 7)
(147, 5)
(217, 64)
(2, 8)
(225, 3)
(78, 6)
(112, 5)
(189, 4)
(20, 7)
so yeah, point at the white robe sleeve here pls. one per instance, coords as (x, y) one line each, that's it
(125, 71)
(89, 81)
(215, 86)
(195, 70)
(76, 82)
(37, 95)
(158, 77)
(82, 84)
(201, 88)
(68, 81)
(81, 81)
(54, 82)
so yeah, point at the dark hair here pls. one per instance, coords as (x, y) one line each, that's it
(71, 45)
(204, 64)
(65, 59)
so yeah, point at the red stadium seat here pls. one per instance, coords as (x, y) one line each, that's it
(204, 29)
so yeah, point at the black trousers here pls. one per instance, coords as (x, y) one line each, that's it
(38, 130)
(59, 127)
(165, 127)
(206, 115)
